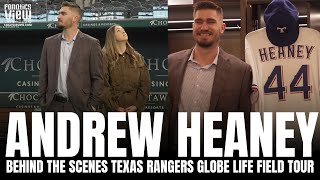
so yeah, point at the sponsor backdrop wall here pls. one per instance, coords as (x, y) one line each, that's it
(20, 62)
(24, 25)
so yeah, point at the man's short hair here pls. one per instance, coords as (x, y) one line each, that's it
(207, 5)
(74, 6)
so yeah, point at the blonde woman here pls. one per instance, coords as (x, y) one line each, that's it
(126, 76)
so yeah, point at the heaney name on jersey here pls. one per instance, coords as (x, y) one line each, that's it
(294, 52)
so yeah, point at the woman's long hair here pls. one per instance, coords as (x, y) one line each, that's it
(110, 52)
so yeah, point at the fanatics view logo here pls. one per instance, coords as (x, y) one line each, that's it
(17, 12)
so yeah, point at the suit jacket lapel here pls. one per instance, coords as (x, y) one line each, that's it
(57, 49)
(75, 49)
(179, 73)
(220, 79)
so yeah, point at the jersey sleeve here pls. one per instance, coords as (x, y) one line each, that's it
(249, 58)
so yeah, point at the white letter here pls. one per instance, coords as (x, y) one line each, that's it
(114, 133)
(307, 130)
(17, 120)
(42, 135)
(146, 135)
(261, 134)
(184, 132)
(63, 118)
(9, 166)
(89, 133)
(209, 133)
(282, 134)
(236, 121)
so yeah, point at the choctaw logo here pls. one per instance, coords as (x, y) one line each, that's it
(18, 64)
(51, 25)
(23, 97)
(17, 12)
(158, 23)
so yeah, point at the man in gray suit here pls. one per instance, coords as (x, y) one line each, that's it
(71, 67)
(205, 78)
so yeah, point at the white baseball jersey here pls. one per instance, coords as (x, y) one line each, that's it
(287, 78)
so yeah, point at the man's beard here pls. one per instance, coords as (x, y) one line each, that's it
(205, 44)
(64, 25)
(60, 26)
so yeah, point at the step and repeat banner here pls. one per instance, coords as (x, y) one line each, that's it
(20, 64)
(25, 24)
